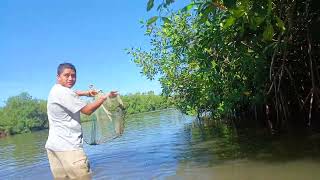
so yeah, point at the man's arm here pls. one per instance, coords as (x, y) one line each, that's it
(88, 93)
(91, 107)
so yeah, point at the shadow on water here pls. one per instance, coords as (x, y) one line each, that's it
(223, 142)
(218, 151)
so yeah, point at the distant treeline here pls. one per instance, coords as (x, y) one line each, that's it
(144, 102)
(23, 113)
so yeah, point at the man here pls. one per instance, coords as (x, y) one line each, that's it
(65, 141)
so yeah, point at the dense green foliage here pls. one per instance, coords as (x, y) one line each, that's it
(256, 58)
(22, 113)
(145, 102)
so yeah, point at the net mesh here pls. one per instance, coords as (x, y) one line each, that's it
(106, 123)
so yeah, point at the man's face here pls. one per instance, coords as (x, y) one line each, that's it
(67, 78)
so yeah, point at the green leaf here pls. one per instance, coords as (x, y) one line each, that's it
(159, 7)
(214, 64)
(188, 7)
(269, 6)
(152, 20)
(255, 22)
(169, 1)
(237, 12)
(166, 20)
(258, 20)
(229, 22)
(150, 5)
(268, 33)
(280, 24)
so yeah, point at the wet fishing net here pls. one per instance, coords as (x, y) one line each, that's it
(106, 123)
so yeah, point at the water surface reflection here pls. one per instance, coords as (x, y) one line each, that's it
(169, 145)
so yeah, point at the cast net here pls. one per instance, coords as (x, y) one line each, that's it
(106, 123)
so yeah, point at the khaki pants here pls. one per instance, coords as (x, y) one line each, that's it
(69, 164)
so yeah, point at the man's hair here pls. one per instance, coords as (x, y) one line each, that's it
(63, 66)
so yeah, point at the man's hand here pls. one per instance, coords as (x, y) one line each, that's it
(92, 92)
(91, 107)
(111, 94)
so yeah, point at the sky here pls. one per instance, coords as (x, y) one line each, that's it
(36, 36)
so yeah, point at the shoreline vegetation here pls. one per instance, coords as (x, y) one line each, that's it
(249, 62)
(25, 114)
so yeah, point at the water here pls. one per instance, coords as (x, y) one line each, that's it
(169, 145)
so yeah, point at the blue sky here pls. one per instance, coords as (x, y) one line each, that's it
(38, 35)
